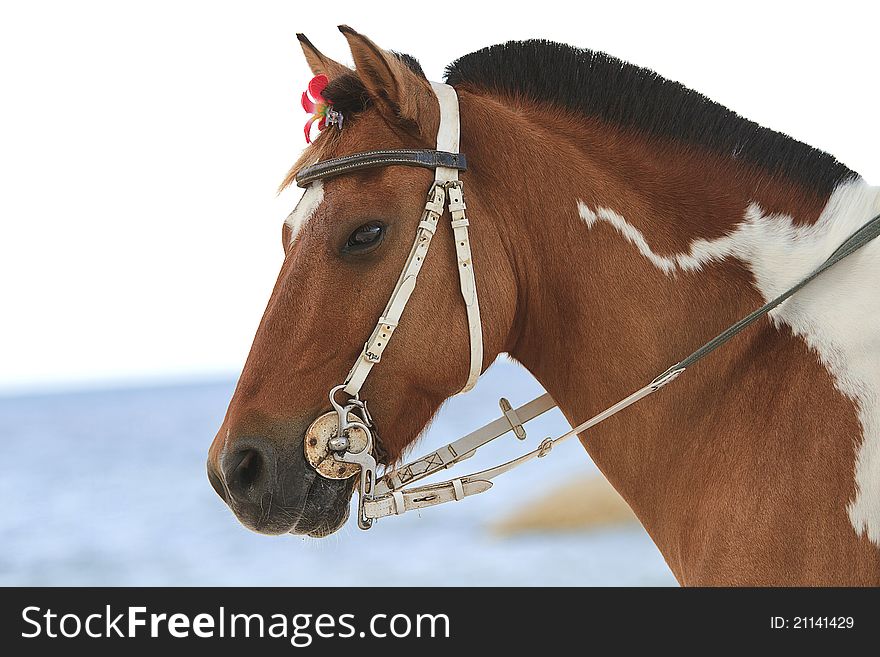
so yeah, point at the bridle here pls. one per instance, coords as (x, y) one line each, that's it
(340, 443)
(346, 432)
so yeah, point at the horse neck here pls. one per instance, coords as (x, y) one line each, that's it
(604, 232)
(612, 239)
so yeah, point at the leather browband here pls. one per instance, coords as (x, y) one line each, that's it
(426, 159)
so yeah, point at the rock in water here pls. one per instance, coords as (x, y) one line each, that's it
(581, 505)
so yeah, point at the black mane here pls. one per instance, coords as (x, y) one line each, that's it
(603, 86)
(596, 84)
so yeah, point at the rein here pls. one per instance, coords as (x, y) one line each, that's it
(339, 444)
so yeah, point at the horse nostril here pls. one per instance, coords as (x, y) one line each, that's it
(248, 470)
(246, 474)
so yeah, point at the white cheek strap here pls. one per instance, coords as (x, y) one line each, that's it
(446, 187)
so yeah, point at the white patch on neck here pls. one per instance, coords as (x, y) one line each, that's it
(837, 315)
(305, 209)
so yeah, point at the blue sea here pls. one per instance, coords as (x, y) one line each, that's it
(108, 487)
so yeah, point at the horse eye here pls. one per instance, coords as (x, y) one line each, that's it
(365, 238)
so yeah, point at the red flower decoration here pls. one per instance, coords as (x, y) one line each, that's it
(316, 105)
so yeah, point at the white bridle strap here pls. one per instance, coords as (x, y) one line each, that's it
(461, 449)
(448, 140)
(388, 500)
(468, 284)
(449, 130)
(406, 283)
(446, 182)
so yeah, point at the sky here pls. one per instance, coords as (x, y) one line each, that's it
(142, 143)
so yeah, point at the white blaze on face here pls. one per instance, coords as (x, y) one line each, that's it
(305, 209)
(837, 315)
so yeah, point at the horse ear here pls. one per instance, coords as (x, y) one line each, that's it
(318, 61)
(403, 96)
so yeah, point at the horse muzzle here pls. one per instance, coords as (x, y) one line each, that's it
(272, 489)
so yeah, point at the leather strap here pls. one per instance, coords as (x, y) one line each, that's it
(481, 481)
(406, 283)
(461, 449)
(853, 243)
(399, 502)
(448, 132)
(448, 135)
(446, 186)
(467, 283)
(426, 159)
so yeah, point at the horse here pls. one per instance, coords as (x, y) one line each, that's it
(617, 220)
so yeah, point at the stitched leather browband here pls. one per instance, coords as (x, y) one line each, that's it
(427, 159)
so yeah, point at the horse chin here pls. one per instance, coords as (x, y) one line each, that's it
(325, 529)
(326, 508)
